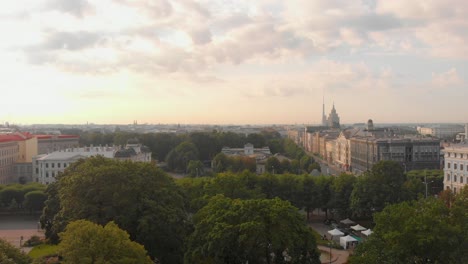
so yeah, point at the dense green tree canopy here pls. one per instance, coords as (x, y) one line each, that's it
(179, 157)
(140, 198)
(86, 242)
(423, 231)
(383, 185)
(11, 255)
(250, 231)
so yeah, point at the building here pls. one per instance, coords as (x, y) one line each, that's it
(342, 153)
(413, 153)
(16, 152)
(259, 154)
(455, 167)
(134, 151)
(333, 120)
(47, 166)
(441, 131)
(50, 143)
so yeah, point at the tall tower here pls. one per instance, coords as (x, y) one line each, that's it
(324, 118)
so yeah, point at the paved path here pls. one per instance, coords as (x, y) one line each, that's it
(337, 256)
(13, 227)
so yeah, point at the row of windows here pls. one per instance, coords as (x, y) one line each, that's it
(455, 166)
(455, 178)
(52, 165)
(9, 151)
(455, 155)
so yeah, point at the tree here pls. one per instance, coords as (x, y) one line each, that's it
(139, 197)
(10, 193)
(179, 157)
(308, 194)
(195, 168)
(383, 185)
(11, 255)
(273, 165)
(342, 187)
(422, 231)
(86, 242)
(34, 200)
(250, 231)
(220, 162)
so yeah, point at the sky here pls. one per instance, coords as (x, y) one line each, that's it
(233, 61)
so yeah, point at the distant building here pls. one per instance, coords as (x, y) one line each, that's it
(333, 120)
(413, 153)
(50, 143)
(47, 166)
(134, 151)
(441, 131)
(455, 167)
(259, 154)
(16, 151)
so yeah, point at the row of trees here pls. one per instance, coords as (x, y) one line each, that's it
(157, 213)
(208, 144)
(343, 196)
(29, 196)
(179, 149)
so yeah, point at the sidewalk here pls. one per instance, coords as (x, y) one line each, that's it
(337, 256)
(14, 237)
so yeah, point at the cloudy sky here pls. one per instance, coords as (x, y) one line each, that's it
(233, 61)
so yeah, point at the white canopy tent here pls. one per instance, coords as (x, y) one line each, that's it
(347, 221)
(367, 232)
(358, 227)
(335, 232)
(344, 241)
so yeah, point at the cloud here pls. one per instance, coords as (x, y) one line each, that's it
(448, 79)
(78, 8)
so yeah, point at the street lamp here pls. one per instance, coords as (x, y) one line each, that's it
(425, 182)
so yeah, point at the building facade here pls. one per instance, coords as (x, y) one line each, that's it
(50, 143)
(46, 167)
(455, 167)
(411, 153)
(441, 131)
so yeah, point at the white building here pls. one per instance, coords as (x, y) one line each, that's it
(456, 167)
(47, 166)
(441, 131)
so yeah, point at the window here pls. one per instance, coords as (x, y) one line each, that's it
(448, 177)
(58, 164)
(455, 155)
(448, 165)
(47, 175)
(53, 165)
(461, 179)
(461, 167)
(47, 165)
(461, 156)
(64, 165)
(455, 190)
(454, 166)
(454, 178)
(448, 154)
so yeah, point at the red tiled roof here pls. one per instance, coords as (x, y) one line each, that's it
(18, 136)
(55, 136)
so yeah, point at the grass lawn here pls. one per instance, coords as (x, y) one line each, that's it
(43, 250)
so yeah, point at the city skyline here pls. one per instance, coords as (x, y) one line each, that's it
(233, 62)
